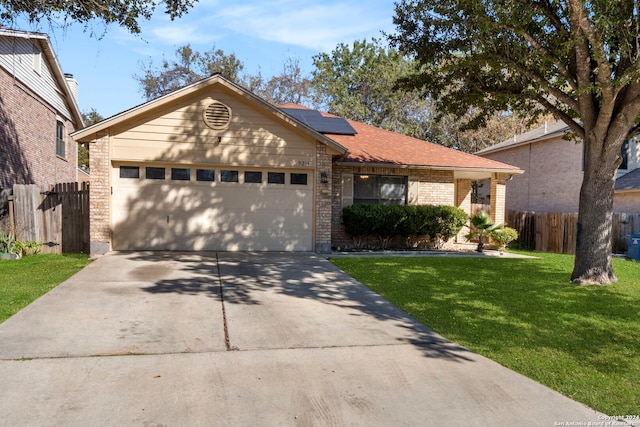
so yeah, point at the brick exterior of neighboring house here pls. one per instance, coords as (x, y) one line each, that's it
(34, 97)
(553, 172)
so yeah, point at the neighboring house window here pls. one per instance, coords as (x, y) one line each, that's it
(129, 172)
(60, 146)
(380, 189)
(37, 60)
(624, 153)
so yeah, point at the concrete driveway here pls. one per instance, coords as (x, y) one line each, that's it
(240, 339)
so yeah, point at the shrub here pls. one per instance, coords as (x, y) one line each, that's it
(450, 221)
(412, 222)
(502, 237)
(482, 228)
(358, 222)
(29, 247)
(7, 242)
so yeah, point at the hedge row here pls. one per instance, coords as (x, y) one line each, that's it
(436, 223)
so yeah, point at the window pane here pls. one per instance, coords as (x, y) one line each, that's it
(180, 174)
(392, 189)
(205, 175)
(129, 172)
(229, 176)
(299, 179)
(377, 189)
(60, 147)
(275, 177)
(155, 173)
(365, 188)
(253, 177)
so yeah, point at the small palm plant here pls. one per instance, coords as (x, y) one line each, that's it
(481, 229)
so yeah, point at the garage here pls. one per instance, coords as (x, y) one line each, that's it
(211, 167)
(206, 207)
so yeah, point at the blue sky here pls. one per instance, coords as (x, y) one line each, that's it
(262, 34)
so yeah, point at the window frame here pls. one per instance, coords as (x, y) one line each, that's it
(200, 175)
(271, 175)
(156, 168)
(123, 168)
(299, 175)
(61, 146)
(378, 183)
(232, 172)
(176, 177)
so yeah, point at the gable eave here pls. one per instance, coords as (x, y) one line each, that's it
(47, 49)
(86, 135)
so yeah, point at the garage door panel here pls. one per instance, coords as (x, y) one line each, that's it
(191, 216)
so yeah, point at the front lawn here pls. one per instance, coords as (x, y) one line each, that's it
(24, 280)
(526, 315)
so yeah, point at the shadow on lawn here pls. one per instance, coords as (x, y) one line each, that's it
(240, 278)
(503, 303)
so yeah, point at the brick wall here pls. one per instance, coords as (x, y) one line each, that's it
(28, 139)
(99, 210)
(425, 187)
(627, 202)
(552, 178)
(323, 199)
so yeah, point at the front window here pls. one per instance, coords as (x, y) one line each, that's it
(380, 189)
(60, 146)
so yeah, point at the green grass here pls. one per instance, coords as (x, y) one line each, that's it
(23, 281)
(526, 315)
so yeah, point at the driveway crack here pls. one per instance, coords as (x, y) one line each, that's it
(227, 340)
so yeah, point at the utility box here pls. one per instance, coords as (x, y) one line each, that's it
(633, 247)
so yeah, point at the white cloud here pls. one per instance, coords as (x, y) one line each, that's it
(314, 25)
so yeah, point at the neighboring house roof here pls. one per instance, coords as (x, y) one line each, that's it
(47, 50)
(86, 134)
(375, 146)
(629, 182)
(547, 131)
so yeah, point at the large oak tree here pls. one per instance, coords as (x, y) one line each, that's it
(579, 59)
(126, 14)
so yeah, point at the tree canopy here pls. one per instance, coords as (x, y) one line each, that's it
(577, 59)
(358, 82)
(126, 14)
(189, 66)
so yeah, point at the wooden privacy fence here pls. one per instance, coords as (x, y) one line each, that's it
(56, 216)
(556, 232)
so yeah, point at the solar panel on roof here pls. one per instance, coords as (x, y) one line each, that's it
(316, 121)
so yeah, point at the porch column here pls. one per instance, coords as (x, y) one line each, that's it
(463, 201)
(498, 197)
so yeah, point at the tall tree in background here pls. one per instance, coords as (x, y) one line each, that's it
(578, 59)
(186, 68)
(357, 82)
(189, 66)
(126, 14)
(288, 87)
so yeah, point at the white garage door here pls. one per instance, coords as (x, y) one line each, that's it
(205, 208)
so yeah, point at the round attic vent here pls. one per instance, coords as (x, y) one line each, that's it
(217, 115)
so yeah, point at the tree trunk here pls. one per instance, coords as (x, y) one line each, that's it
(594, 245)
